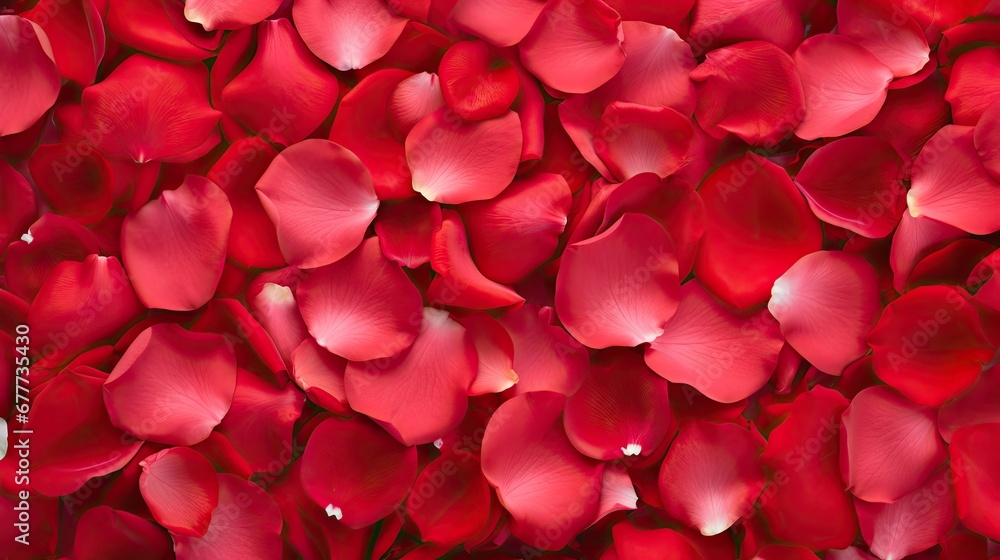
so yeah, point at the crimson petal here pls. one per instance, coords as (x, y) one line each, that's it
(181, 488)
(546, 357)
(632, 543)
(54, 239)
(31, 82)
(729, 21)
(476, 84)
(77, 185)
(974, 463)
(501, 23)
(968, 92)
(915, 238)
(450, 501)
(103, 533)
(987, 140)
(163, 31)
(17, 205)
(640, 139)
(406, 230)
(76, 33)
(975, 406)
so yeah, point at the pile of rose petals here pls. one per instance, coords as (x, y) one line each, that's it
(500, 279)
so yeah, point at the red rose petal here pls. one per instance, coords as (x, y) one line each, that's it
(911, 524)
(103, 533)
(889, 445)
(181, 488)
(76, 33)
(450, 501)
(987, 140)
(844, 85)
(228, 14)
(406, 230)
(54, 239)
(321, 375)
(362, 307)
(538, 474)
(17, 205)
(887, 32)
(974, 462)
(350, 34)
(271, 300)
(172, 386)
(640, 139)
(975, 406)
(501, 23)
(702, 492)
(321, 199)
(632, 543)
(495, 351)
(174, 247)
(412, 100)
(546, 357)
(968, 93)
(910, 116)
(163, 31)
(75, 184)
(476, 84)
(368, 486)
(725, 355)
(784, 552)
(728, 21)
(826, 304)
(32, 78)
(914, 239)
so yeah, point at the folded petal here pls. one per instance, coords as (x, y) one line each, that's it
(914, 239)
(181, 489)
(18, 207)
(54, 239)
(632, 543)
(724, 354)
(458, 281)
(231, 319)
(285, 92)
(929, 344)
(975, 406)
(69, 449)
(855, 183)
(169, 121)
(362, 307)
(77, 185)
(500, 23)
(172, 386)
(271, 300)
(476, 83)
(495, 351)
(703, 492)
(911, 524)
(638, 139)
(246, 524)
(356, 471)
(750, 89)
(412, 100)
(174, 247)
(79, 304)
(517, 231)
(32, 78)
(350, 34)
(826, 303)
(757, 227)
(406, 230)
(968, 93)
(574, 46)
(455, 161)
(103, 533)
(228, 14)
(889, 445)
(974, 463)
(887, 32)
(951, 185)
(621, 410)
(620, 287)
(158, 27)
(803, 455)
(321, 375)
(844, 85)
(538, 474)
(450, 501)
(76, 34)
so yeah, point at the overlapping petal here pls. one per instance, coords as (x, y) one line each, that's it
(350, 34)
(320, 375)
(477, 84)
(495, 352)
(103, 533)
(911, 524)
(450, 503)
(968, 93)
(75, 32)
(728, 21)
(887, 32)
(228, 14)
(54, 239)
(181, 488)
(974, 459)
(76, 184)
(32, 78)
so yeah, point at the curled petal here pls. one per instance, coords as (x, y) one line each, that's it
(951, 185)
(54, 239)
(231, 319)
(412, 100)
(31, 82)
(228, 14)
(974, 459)
(171, 120)
(574, 46)
(750, 89)
(369, 486)
(757, 227)
(703, 492)
(537, 472)
(495, 351)
(164, 32)
(362, 307)
(246, 524)
(887, 32)
(639, 139)
(728, 21)
(888, 446)
(458, 508)
(975, 406)
(476, 84)
(321, 199)
(285, 92)
(621, 410)
(826, 303)
(272, 303)
(968, 92)
(455, 161)
(172, 386)
(911, 524)
(321, 375)
(517, 231)
(76, 34)
(75, 184)
(546, 357)
(103, 533)
(502, 23)
(181, 488)
(725, 355)
(174, 247)
(260, 421)
(929, 344)
(406, 230)
(844, 85)
(350, 34)
(855, 183)
(914, 239)
(620, 287)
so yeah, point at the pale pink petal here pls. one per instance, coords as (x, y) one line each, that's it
(617, 493)
(347, 34)
(413, 99)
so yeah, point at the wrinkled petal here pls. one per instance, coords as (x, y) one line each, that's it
(450, 503)
(181, 488)
(968, 92)
(750, 89)
(228, 14)
(495, 351)
(855, 183)
(356, 471)
(951, 185)
(54, 239)
(171, 121)
(574, 46)
(517, 231)
(929, 344)
(321, 199)
(844, 85)
(476, 84)
(728, 21)
(911, 524)
(538, 474)
(757, 227)
(406, 230)
(103, 533)
(500, 22)
(348, 34)
(260, 421)
(455, 161)
(31, 78)
(887, 32)
(172, 386)
(285, 92)
(76, 33)
(420, 394)
(703, 492)
(974, 464)
(620, 287)
(321, 375)
(826, 303)
(362, 307)
(888, 446)
(174, 247)
(76, 185)
(724, 354)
